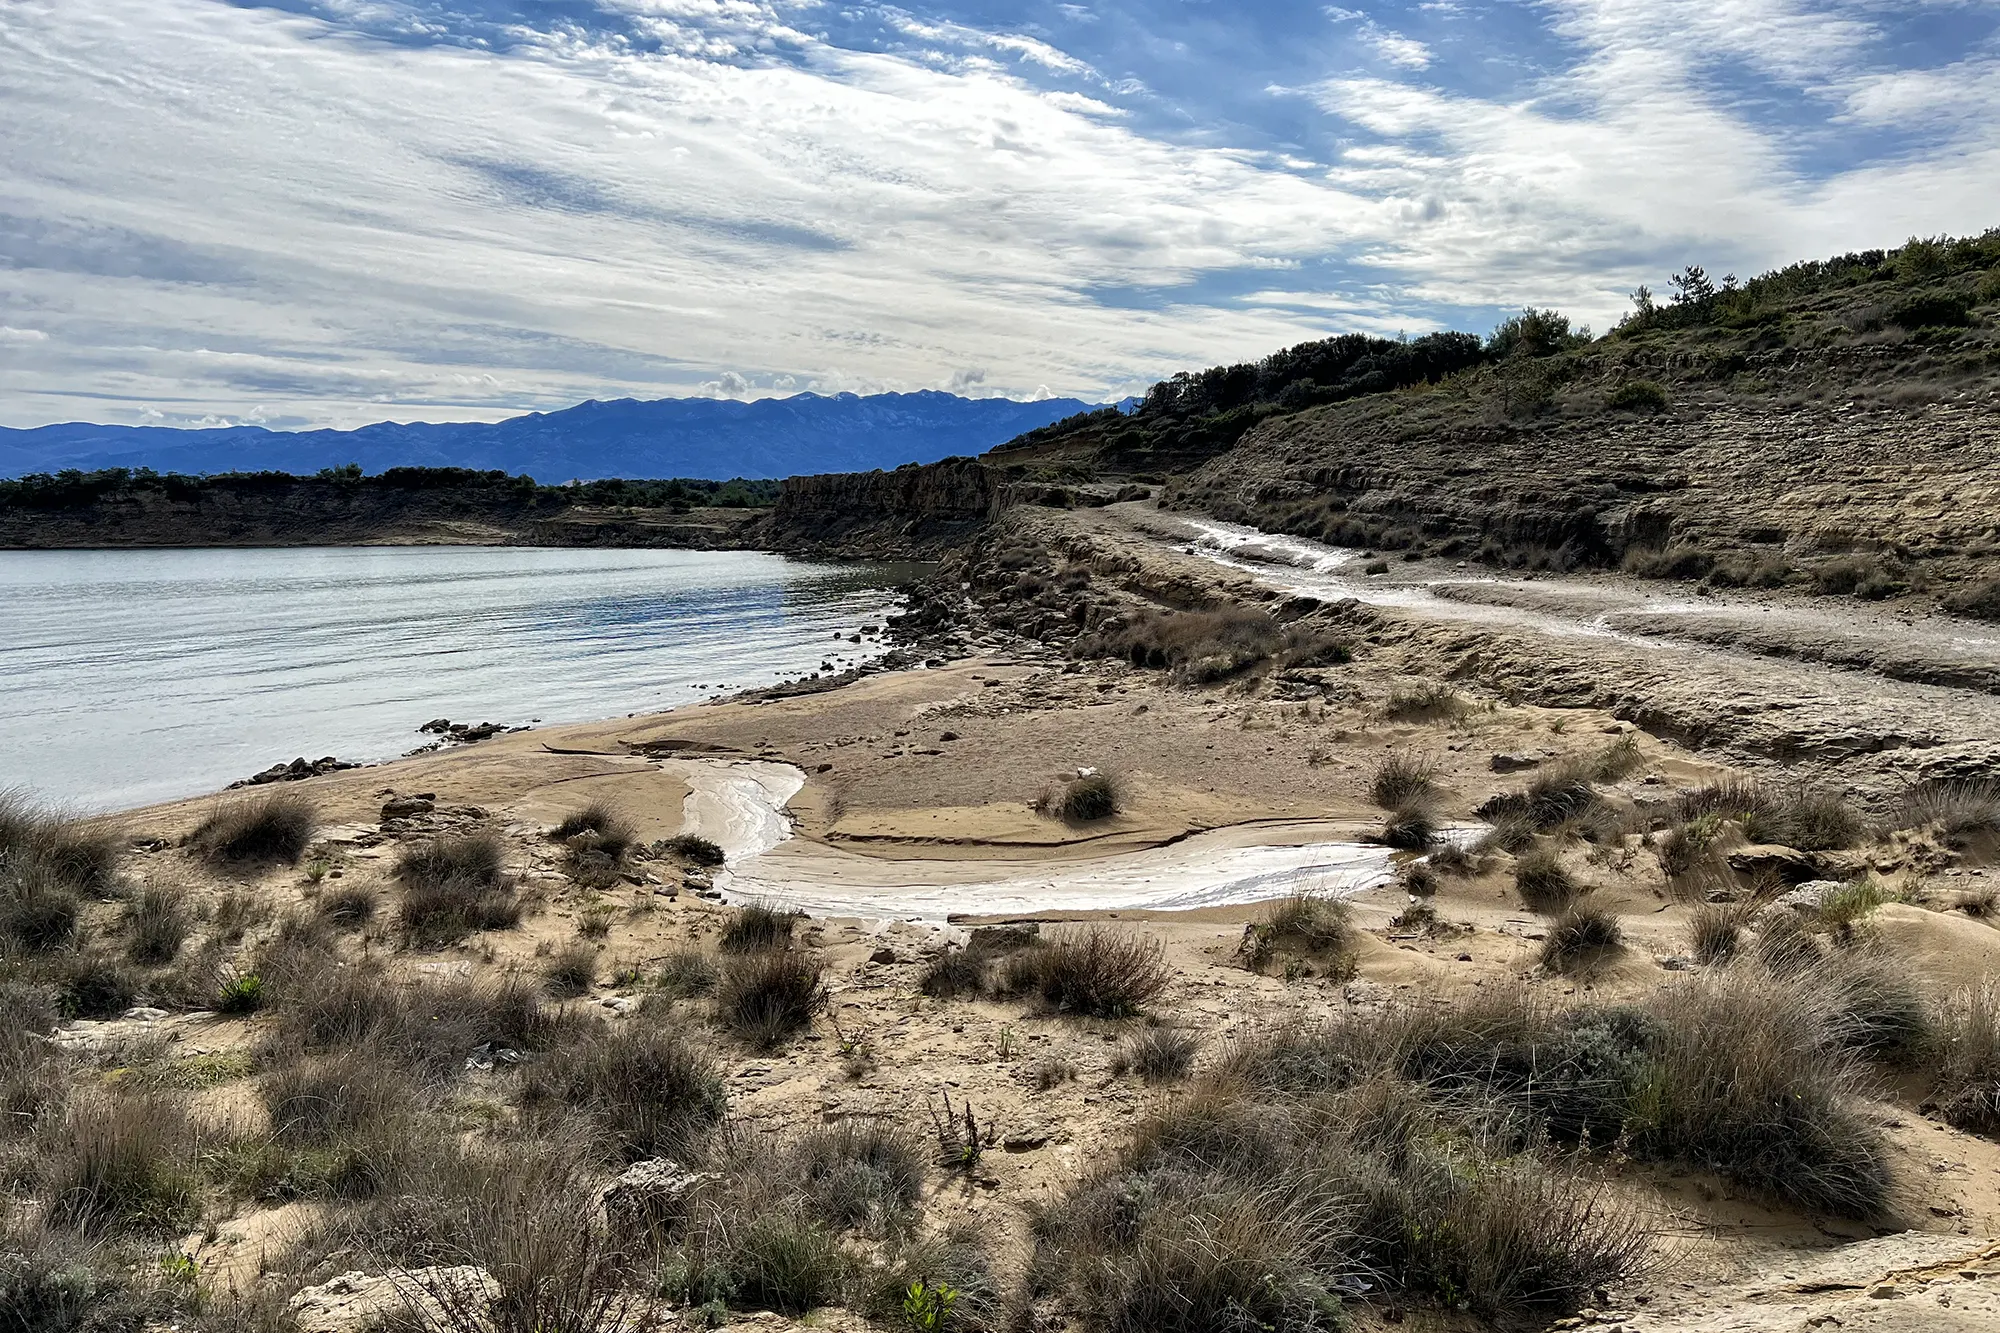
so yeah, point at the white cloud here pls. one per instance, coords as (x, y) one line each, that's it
(273, 213)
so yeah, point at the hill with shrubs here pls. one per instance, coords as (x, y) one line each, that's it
(1829, 425)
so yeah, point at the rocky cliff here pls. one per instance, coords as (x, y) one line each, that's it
(913, 511)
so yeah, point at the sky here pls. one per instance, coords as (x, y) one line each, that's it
(330, 212)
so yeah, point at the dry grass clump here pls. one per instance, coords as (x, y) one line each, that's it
(1810, 820)
(1618, 760)
(647, 1090)
(156, 923)
(335, 1098)
(1157, 1054)
(1580, 937)
(1544, 883)
(1309, 923)
(120, 1163)
(1235, 1208)
(765, 997)
(1097, 971)
(759, 926)
(1715, 932)
(1513, 832)
(1965, 1086)
(33, 1073)
(603, 827)
(1449, 858)
(596, 840)
(685, 973)
(1736, 1071)
(1410, 827)
(1432, 702)
(348, 905)
(570, 971)
(278, 827)
(955, 972)
(455, 886)
(1958, 810)
(1202, 647)
(1081, 800)
(81, 855)
(1401, 777)
(48, 865)
(427, 1027)
(693, 847)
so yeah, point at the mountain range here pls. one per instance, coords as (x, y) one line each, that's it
(668, 437)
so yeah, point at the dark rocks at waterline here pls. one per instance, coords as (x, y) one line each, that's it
(296, 771)
(464, 733)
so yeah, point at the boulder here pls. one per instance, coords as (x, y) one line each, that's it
(1513, 763)
(1808, 896)
(1766, 858)
(357, 1300)
(403, 807)
(650, 1195)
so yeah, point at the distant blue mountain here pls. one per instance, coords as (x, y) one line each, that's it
(669, 437)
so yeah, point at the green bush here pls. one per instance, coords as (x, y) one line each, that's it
(1931, 310)
(1637, 396)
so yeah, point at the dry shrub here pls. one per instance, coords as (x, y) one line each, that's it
(91, 985)
(759, 926)
(687, 972)
(765, 997)
(1157, 1054)
(55, 1280)
(33, 1072)
(1309, 923)
(647, 1090)
(1410, 827)
(427, 1027)
(693, 847)
(1433, 702)
(1784, 946)
(1095, 971)
(1715, 932)
(1081, 800)
(80, 855)
(955, 972)
(454, 886)
(1966, 1084)
(348, 905)
(1956, 809)
(120, 1163)
(1201, 647)
(571, 971)
(278, 827)
(598, 826)
(1401, 777)
(156, 925)
(335, 1098)
(1580, 937)
(1544, 883)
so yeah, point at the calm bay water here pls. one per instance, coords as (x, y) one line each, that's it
(135, 676)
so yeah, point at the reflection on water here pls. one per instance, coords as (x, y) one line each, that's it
(134, 676)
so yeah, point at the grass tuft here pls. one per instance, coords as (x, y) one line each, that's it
(1580, 937)
(767, 996)
(571, 971)
(1402, 776)
(647, 1090)
(278, 827)
(1095, 971)
(453, 887)
(1157, 1054)
(1544, 883)
(759, 926)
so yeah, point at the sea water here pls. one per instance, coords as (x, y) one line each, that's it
(135, 676)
